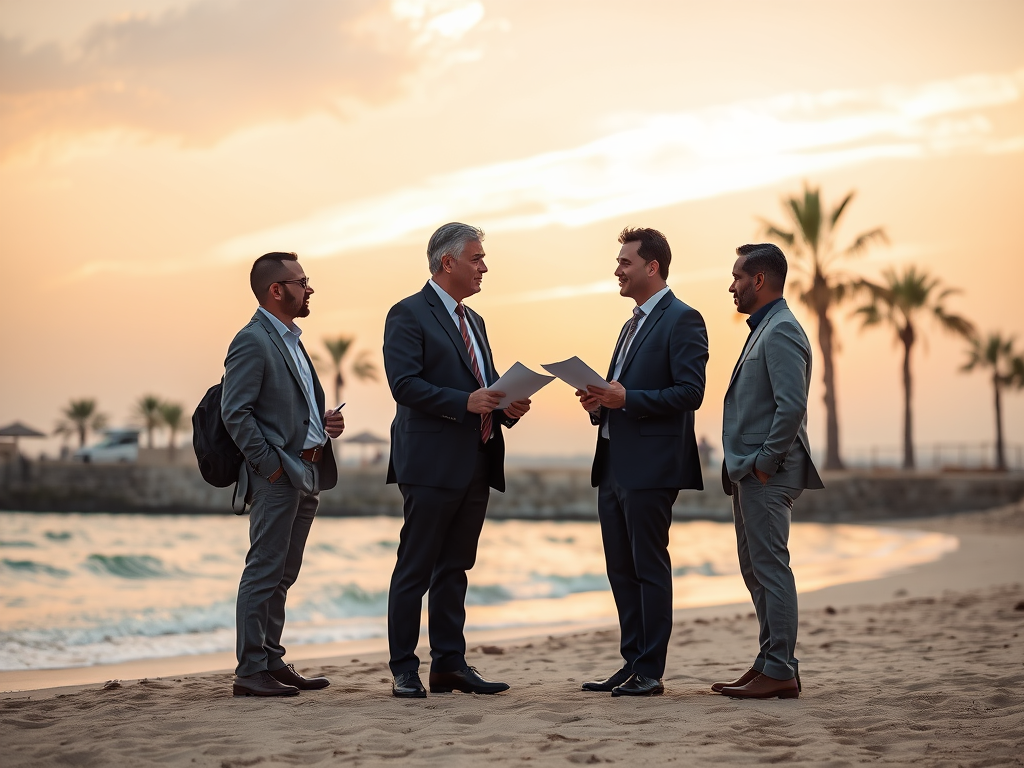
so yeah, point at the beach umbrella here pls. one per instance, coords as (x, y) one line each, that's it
(17, 429)
(365, 438)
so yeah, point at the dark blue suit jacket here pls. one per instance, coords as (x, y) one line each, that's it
(434, 439)
(652, 444)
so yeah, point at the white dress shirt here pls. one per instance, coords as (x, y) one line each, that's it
(450, 304)
(647, 307)
(315, 434)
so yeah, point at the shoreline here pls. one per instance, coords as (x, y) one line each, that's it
(922, 667)
(981, 559)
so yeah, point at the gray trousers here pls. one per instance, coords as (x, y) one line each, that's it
(280, 517)
(763, 514)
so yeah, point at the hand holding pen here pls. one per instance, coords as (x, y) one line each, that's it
(334, 422)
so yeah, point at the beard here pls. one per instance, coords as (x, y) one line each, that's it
(745, 300)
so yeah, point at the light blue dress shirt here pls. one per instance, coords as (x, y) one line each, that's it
(315, 435)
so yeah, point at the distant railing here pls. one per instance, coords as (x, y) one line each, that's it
(933, 456)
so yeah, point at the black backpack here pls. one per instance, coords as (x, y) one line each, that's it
(218, 456)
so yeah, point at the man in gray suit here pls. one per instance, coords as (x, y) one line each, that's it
(273, 408)
(767, 463)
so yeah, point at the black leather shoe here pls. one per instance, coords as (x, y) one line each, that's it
(289, 676)
(638, 685)
(604, 686)
(467, 680)
(407, 685)
(261, 684)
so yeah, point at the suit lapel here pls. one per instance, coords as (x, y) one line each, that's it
(275, 337)
(649, 322)
(754, 337)
(447, 323)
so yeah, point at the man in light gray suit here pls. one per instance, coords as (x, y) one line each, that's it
(273, 408)
(767, 463)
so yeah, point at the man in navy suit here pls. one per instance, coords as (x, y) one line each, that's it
(646, 453)
(447, 451)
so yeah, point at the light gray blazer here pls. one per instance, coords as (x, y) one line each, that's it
(764, 422)
(265, 409)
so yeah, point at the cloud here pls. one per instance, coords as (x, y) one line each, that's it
(667, 159)
(206, 70)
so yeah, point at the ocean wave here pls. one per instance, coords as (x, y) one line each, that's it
(30, 566)
(129, 566)
(58, 535)
(704, 569)
(24, 544)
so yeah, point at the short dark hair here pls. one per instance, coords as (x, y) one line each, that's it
(266, 271)
(653, 247)
(767, 258)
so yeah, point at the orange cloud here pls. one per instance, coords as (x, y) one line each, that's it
(202, 72)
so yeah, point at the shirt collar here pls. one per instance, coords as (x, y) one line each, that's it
(449, 303)
(283, 329)
(648, 306)
(755, 319)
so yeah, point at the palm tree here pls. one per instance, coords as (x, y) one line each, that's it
(996, 352)
(362, 368)
(79, 417)
(171, 415)
(147, 408)
(897, 304)
(811, 240)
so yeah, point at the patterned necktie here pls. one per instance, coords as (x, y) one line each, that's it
(485, 419)
(634, 323)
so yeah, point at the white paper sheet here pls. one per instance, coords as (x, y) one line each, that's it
(519, 383)
(576, 373)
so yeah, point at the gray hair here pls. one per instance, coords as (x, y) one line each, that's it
(450, 240)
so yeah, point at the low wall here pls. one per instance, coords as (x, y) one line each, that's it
(544, 493)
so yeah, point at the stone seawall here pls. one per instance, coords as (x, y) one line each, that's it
(538, 494)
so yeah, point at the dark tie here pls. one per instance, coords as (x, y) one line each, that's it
(485, 419)
(634, 323)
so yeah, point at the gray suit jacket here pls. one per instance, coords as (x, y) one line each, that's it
(265, 410)
(764, 423)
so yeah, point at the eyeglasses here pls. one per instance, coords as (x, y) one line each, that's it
(304, 282)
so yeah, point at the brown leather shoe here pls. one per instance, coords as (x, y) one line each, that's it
(261, 684)
(764, 687)
(289, 676)
(745, 678)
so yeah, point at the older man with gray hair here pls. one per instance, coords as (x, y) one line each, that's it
(447, 452)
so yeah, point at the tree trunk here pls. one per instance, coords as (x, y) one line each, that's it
(907, 337)
(1000, 455)
(832, 459)
(339, 382)
(149, 436)
(81, 435)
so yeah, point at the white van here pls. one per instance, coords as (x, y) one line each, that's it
(117, 446)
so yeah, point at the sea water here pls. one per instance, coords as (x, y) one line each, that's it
(78, 590)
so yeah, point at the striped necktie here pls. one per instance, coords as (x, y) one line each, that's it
(485, 419)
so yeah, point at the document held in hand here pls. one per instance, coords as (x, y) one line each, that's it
(576, 373)
(519, 383)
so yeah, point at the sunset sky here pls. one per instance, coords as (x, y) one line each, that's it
(151, 149)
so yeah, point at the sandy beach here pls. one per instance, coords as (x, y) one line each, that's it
(924, 667)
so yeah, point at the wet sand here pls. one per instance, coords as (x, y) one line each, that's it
(923, 667)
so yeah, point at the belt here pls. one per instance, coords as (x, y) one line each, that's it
(312, 454)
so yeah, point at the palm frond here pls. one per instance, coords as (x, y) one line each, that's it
(864, 240)
(838, 210)
(776, 233)
(364, 368)
(338, 347)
